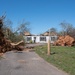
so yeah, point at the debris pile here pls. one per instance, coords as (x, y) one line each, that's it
(6, 45)
(65, 41)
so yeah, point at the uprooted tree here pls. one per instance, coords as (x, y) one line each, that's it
(6, 45)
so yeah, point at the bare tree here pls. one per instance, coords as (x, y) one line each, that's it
(66, 28)
(1, 21)
(7, 27)
(22, 27)
(8, 23)
(53, 30)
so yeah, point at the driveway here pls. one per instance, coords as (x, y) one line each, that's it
(26, 63)
(35, 44)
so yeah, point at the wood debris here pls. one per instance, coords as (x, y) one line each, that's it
(65, 41)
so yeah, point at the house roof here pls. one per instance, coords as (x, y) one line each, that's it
(27, 33)
(51, 33)
(44, 34)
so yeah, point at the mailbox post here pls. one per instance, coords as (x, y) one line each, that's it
(48, 52)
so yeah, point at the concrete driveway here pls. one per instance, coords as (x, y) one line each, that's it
(35, 44)
(26, 63)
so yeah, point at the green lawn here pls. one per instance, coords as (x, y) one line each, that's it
(0, 57)
(63, 57)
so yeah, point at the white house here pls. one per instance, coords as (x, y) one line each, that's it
(43, 38)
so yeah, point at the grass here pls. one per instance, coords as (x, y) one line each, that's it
(0, 57)
(63, 57)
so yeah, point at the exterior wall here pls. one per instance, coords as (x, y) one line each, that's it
(37, 39)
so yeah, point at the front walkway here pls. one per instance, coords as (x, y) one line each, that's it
(26, 63)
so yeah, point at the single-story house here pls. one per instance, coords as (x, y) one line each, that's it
(43, 38)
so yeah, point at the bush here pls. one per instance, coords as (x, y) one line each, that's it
(31, 41)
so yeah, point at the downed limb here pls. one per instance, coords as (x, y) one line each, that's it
(15, 44)
(18, 45)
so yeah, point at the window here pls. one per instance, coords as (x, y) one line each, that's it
(28, 38)
(53, 38)
(42, 38)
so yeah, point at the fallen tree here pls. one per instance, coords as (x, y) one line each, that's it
(6, 45)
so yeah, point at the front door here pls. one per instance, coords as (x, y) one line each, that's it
(34, 39)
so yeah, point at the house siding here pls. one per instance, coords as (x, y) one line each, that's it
(37, 39)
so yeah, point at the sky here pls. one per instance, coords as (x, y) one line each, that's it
(42, 14)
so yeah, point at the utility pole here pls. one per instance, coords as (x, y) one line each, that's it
(48, 52)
